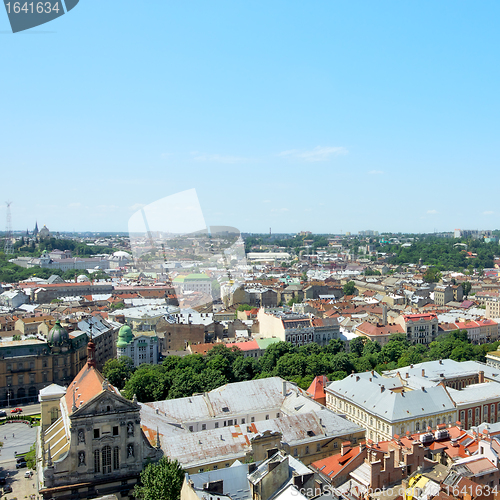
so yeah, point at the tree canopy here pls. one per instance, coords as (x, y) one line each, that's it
(181, 377)
(160, 481)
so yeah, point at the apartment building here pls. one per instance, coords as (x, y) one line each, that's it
(419, 328)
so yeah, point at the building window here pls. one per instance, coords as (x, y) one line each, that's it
(32, 365)
(203, 427)
(295, 452)
(54, 415)
(242, 420)
(469, 414)
(96, 433)
(307, 450)
(252, 419)
(318, 447)
(190, 428)
(477, 412)
(417, 426)
(115, 430)
(277, 415)
(97, 461)
(216, 425)
(216, 467)
(267, 417)
(335, 445)
(116, 458)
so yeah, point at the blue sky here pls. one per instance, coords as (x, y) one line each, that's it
(326, 116)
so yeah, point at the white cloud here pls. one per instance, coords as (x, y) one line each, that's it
(488, 212)
(432, 211)
(217, 158)
(280, 210)
(319, 153)
(376, 172)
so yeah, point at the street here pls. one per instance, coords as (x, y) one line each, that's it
(17, 437)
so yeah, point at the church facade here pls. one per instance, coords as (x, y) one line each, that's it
(90, 441)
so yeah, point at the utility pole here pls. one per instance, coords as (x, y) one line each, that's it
(8, 232)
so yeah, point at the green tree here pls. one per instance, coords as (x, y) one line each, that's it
(432, 275)
(357, 345)
(161, 481)
(118, 371)
(467, 286)
(349, 288)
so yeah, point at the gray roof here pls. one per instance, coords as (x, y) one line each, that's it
(235, 482)
(301, 420)
(387, 404)
(447, 367)
(476, 392)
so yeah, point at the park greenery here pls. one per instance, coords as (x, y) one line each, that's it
(445, 254)
(160, 481)
(184, 376)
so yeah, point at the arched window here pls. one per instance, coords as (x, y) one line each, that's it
(417, 426)
(116, 458)
(97, 461)
(438, 421)
(424, 427)
(106, 460)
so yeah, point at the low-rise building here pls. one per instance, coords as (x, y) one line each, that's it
(27, 366)
(242, 421)
(141, 347)
(419, 328)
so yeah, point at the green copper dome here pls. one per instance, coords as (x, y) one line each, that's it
(58, 335)
(125, 336)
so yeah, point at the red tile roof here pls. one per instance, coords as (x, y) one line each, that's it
(317, 387)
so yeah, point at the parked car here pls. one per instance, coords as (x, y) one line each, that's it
(16, 410)
(3, 479)
(28, 473)
(7, 489)
(21, 465)
(21, 459)
(3, 413)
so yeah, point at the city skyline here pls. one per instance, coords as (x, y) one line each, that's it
(321, 117)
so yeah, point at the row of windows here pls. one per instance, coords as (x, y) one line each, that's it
(230, 422)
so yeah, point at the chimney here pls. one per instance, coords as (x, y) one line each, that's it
(284, 387)
(481, 377)
(357, 378)
(423, 372)
(382, 388)
(407, 375)
(345, 447)
(440, 361)
(384, 315)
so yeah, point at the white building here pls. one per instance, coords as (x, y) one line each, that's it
(141, 348)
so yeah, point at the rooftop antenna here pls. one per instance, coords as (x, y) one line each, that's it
(8, 231)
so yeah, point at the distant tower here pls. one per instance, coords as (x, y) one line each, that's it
(8, 232)
(35, 231)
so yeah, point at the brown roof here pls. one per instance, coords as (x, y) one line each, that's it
(87, 384)
(379, 330)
